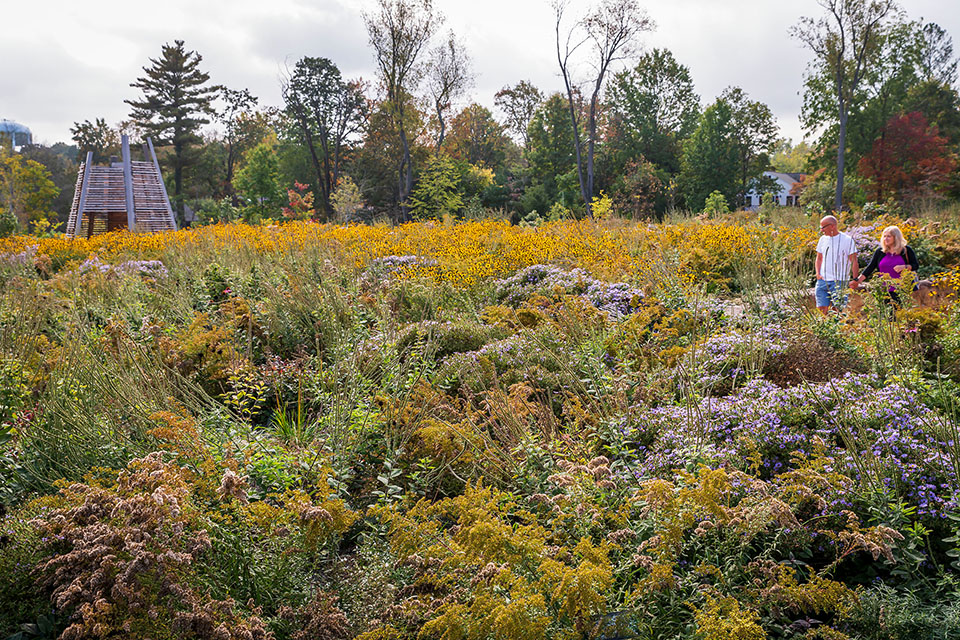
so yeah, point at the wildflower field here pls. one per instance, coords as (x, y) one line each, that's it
(476, 431)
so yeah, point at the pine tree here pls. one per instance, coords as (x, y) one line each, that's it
(174, 105)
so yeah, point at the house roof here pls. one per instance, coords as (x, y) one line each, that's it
(788, 178)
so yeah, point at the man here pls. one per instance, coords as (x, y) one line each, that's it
(836, 259)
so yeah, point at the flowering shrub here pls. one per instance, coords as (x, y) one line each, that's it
(122, 559)
(470, 430)
(900, 447)
(867, 239)
(151, 268)
(299, 202)
(408, 266)
(519, 587)
(617, 299)
(654, 335)
(20, 258)
(725, 359)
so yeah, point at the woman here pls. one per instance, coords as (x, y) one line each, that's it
(892, 258)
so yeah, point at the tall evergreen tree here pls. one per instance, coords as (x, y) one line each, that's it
(175, 103)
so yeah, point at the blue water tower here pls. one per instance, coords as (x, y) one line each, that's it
(18, 134)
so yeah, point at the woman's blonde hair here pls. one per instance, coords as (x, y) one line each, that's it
(899, 244)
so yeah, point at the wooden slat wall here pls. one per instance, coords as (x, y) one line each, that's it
(72, 219)
(150, 198)
(105, 207)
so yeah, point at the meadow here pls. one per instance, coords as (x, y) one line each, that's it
(474, 430)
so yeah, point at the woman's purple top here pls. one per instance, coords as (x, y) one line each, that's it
(887, 264)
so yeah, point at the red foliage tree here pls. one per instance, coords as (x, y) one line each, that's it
(300, 204)
(909, 160)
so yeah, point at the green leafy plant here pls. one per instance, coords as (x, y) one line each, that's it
(716, 204)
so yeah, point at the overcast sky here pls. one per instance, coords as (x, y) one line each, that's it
(66, 61)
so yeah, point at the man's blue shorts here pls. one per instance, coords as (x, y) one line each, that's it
(831, 292)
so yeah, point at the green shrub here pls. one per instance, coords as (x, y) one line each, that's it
(443, 339)
(716, 204)
(21, 599)
(8, 223)
(221, 211)
(887, 613)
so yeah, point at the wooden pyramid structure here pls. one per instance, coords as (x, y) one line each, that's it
(126, 194)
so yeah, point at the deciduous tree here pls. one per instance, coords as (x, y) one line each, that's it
(518, 104)
(909, 161)
(887, 79)
(258, 182)
(476, 137)
(26, 189)
(610, 32)
(378, 163)
(939, 103)
(237, 103)
(655, 107)
(96, 136)
(448, 77)
(58, 160)
(844, 43)
(789, 157)
(328, 112)
(550, 147)
(399, 30)
(638, 190)
(755, 133)
(903, 75)
(438, 189)
(935, 54)
(711, 157)
(346, 199)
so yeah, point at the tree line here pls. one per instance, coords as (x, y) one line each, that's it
(880, 105)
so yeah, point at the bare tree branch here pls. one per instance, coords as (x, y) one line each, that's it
(448, 77)
(398, 31)
(612, 29)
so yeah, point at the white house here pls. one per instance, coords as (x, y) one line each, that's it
(783, 197)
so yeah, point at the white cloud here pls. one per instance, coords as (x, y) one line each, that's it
(70, 61)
